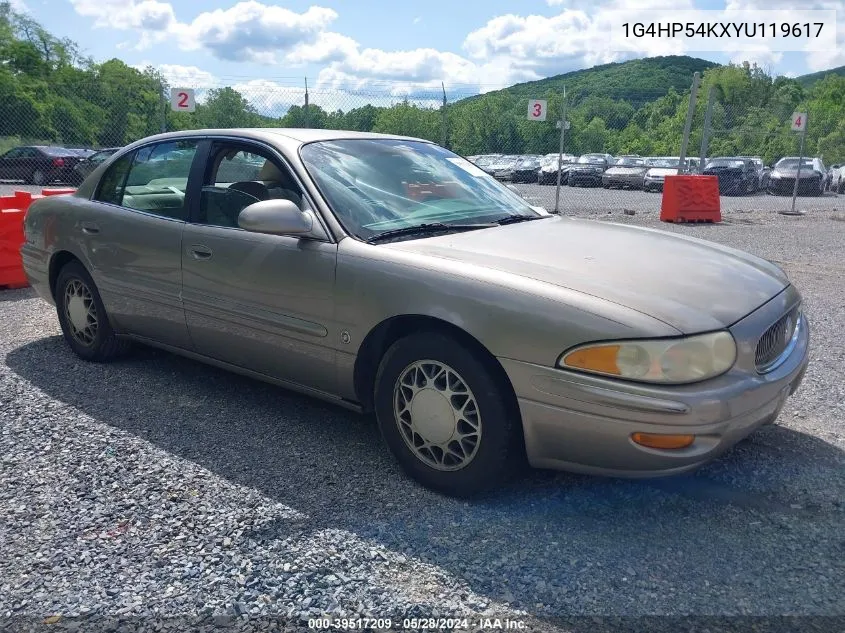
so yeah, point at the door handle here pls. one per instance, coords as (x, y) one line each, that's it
(198, 251)
(90, 228)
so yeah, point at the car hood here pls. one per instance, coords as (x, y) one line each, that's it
(587, 167)
(692, 285)
(624, 171)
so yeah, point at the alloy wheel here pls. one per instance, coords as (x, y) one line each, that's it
(437, 415)
(81, 312)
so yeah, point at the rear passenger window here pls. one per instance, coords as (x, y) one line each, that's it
(111, 185)
(158, 179)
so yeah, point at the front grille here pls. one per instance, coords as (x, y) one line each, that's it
(775, 340)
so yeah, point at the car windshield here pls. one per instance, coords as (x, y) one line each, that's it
(483, 161)
(591, 159)
(57, 151)
(527, 163)
(725, 162)
(792, 163)
(666, 163)
(378, 185)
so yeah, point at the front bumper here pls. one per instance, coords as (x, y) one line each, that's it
(633, 181)
(653, 184)
(785, 186)
(584, 423)
(585, 177)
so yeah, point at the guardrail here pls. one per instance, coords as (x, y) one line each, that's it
(12, 213)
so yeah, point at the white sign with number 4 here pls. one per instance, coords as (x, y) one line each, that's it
(537, 110)
(182, 99)
(799, 121)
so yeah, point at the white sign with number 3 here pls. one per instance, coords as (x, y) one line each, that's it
(799, 121)
(182, 99)
(537, 110)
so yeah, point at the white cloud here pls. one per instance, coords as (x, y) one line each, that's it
(417, 20)
(19, 6)
(252, 31)
(143, 15)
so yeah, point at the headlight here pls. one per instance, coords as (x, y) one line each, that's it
(774, 175)
(666, 361)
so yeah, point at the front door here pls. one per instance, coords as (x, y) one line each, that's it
(262, 302)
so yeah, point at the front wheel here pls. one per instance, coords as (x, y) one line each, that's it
(445, 417)
(83, 317)
(38, 177)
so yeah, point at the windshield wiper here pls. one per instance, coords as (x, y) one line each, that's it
(513, 219)
(424, 229)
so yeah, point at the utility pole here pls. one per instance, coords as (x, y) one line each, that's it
(696, 79)
(708, 117)
(307, 121)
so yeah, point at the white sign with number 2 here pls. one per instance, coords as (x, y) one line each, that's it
(799, 121)
(537, 110)
(182, 99)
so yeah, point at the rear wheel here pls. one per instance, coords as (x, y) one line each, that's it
(83, 317)
(445, 417)
(38, 177)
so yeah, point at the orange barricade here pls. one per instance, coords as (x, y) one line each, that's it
(12, 212)
(690, 198)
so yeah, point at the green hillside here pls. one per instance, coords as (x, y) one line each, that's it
(635, 81)
(809, 80)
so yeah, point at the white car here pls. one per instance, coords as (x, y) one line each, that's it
(837, 178)
(662, 166)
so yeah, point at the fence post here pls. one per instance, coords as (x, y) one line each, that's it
(560, 149)
(305, 108)
(708, 117)
(798, 172)
(443, 134)
(682, 167)
(162, 105)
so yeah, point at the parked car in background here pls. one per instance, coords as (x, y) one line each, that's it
(737, 176)
(39, 164)
(763, 171)
(551, 164)
(525, 169)
(478, 331)
(662, 166)
(837, 178)
(587, 171)
(84, 167)
(485, 160)
(502, 168)
(626, 173)
(785, 173)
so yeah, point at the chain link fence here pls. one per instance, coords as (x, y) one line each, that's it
(615, 152)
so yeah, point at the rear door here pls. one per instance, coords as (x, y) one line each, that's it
(134, 239)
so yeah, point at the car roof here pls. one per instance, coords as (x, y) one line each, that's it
(302, 135)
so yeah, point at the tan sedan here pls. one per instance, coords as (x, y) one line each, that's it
(389, 275)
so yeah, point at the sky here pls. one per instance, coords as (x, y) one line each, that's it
(396, 46)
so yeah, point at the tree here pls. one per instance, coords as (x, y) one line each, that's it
(409, 120)
(225, 108)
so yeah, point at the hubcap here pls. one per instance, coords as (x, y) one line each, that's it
(81, 312)
(437, 415)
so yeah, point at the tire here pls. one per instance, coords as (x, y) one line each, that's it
(98, 343)
(429, 357)
(38, 177)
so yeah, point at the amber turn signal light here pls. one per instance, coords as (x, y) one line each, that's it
(658, 440)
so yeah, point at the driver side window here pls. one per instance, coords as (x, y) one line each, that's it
(239, 175)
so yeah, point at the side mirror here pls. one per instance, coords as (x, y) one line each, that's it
(275, 217)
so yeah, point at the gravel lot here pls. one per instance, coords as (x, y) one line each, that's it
(159, 486)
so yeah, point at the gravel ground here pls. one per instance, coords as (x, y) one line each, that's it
(157, 486)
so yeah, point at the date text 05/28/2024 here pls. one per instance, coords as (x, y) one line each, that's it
(412, 624)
